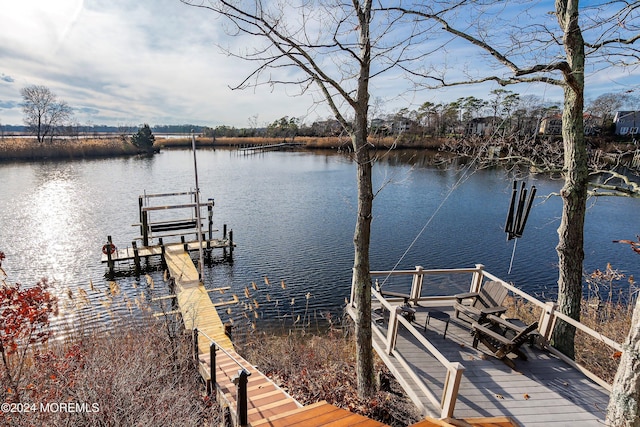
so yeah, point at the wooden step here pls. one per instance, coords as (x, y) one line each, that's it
(317, 415)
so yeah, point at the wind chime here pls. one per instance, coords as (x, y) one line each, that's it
(518, 214)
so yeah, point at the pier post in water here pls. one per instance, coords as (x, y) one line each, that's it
(136, 257)
(162, 252)
(145, 228)
(210, 217)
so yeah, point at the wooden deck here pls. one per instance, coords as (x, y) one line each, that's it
(542, 391)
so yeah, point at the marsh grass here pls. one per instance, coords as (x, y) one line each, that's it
(329, 142)
(312, 367)
(71, 148)
(129, 376)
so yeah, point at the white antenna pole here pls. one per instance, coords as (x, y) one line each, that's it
(195, 169)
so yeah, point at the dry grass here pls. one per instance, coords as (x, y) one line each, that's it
(322, 367)
(30, 149)
(612, 320)
(130, 376)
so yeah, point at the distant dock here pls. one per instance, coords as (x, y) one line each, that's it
(251, 149)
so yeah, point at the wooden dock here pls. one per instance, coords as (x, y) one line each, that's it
(268, 147)
(129, 253)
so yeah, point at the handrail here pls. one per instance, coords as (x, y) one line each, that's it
(241, 380)
(211, 340)
(558, 314)
(426, 272)
(454, 369)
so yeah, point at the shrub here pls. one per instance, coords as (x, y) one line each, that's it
(143, 138)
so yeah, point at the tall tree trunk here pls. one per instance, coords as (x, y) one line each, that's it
(362, 233)
(623, 409)
(361, 270)
(574, 192)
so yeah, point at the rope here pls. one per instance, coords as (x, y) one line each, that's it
(513, 254)
(463, 177)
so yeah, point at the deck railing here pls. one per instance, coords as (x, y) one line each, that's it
(447, 400)
(547, 321)
(241, 380)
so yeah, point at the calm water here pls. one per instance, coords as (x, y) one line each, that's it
(293, 215)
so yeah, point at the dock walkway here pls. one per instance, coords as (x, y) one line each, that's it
(267, 403)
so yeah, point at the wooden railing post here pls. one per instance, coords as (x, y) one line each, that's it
(451, 387)
(392, 332)
(547, 320)
(416, 285)
(212, 367)
(210, 219)
(241, 381)
(136, 256)
(145, 228)
(476, 280)
(196, 351)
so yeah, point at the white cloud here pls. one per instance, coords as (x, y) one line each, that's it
(135, 61)
(130, 61)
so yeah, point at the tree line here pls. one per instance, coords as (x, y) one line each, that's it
(504, 113)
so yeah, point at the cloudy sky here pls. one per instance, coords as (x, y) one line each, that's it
(126, 62)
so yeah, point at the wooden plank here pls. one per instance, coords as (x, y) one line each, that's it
(308, 416)
(270, 421)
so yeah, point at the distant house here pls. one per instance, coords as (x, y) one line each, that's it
(401, 125)
(329, 127)
(627, 122)
(479, 126)
(551, 125)
(379, 126)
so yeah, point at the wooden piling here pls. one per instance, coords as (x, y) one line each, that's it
(210, 217)
(163, 251)
(145, 228)
(136, 257)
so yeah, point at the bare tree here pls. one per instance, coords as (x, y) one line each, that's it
(43, 113)
(328, 46)
(613, 27)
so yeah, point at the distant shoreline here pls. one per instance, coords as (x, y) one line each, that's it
(22, 148)
(29, 149)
